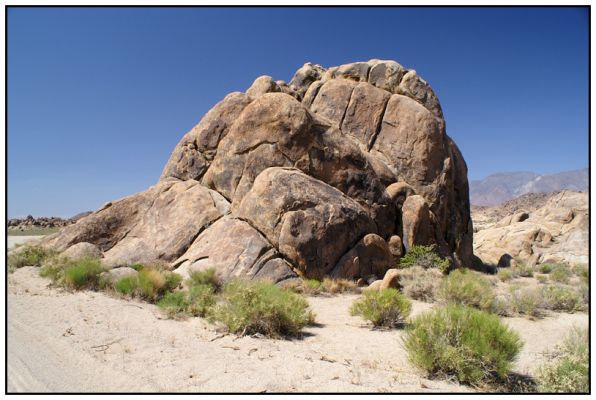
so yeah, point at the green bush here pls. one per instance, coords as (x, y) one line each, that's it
(467, 288)
(426, 257)
(28, 255)
(563, 298)
(420, 284)
(542, 278)
(205, 277)
(570, 372)
(261, 307)
(173, 303)
(505, 274)
(560, 273)
(387, 307)
(462, 342)
(126, 285)
(83, 273)
(546, 268)
(149, 284)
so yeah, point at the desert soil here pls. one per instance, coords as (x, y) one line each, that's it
(88, 341)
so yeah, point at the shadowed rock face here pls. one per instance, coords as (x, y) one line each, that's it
(315, 177)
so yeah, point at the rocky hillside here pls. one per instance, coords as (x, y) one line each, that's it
(30, 222)
(337, 173)
(498, 188)
(535, 228)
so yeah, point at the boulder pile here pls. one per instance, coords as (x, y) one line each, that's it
(336, 173)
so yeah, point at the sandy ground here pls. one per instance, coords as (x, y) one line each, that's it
(86, 341)
(14, 240)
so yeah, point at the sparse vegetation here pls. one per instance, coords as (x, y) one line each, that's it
(505, 274)
(523, 270)
(28, 255)
(261, 307)
(469, 288)
(457, 341)
(569, 373)
(424, 256)
(314, 287)
(560, 273)
(563, 298)
(420, 284)
(582, 271)
(542, 278)
(387, 307)
(546, 268)
(527, 301)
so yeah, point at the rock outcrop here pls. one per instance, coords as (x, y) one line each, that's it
(540, 229)
(324, 176)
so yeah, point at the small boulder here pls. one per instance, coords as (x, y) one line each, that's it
(395, 246)
(114, 275)
(82, 250)
(261, 85)
(376, 285)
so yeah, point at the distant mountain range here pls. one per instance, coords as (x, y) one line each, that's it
(498, 188)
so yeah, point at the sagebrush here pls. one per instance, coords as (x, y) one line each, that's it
(387, 307)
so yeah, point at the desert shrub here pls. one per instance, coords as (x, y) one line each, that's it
(527, 301)
(426, 257)
(387, 307)
(53, 268)
(522, 269)
(204, 277)
(502, 306)
(137, 266)
(563, 298)
(126, 285)
(570, 372)
(560, 273)
(467, 288)
(149, 284)
(542, 278)
(201, 298)
(582, 271)
(335, 286)
(462, 342)
(419, 283)
(197, 301)
(173, 303)
(546, 268)
(83, 273)
(505, 274)
(261, 307)
(28, 255)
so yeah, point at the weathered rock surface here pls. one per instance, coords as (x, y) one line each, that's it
(322, 176)
(82, 250)
(556, 231)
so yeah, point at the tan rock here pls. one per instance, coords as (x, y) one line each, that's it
(416, 222)
(82, 250)
(261, 85)
(395, 247)
(391, 280)
(376, 285)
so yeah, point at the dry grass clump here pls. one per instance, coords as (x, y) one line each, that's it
(468, 288)
(462, 342)
(505, 274)
(527, 301)
(387, 307)
(315, 287)
(149, 284)
(419, 283)
(568, 373)
(260, 307)
(424, 256)
(583, 272)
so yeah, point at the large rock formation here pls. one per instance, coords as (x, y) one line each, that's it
(534, 229)
(310, 178)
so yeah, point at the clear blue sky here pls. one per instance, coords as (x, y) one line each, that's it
(98, 97)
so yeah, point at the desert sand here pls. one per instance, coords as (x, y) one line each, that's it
(88, 341)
